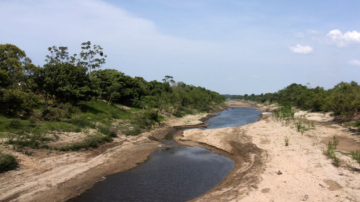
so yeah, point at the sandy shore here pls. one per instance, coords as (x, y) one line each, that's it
(267, 170)
(59, 177)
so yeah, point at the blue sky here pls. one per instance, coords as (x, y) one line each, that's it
(229, 46)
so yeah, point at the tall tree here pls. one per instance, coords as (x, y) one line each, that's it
(12, 65)
(88, 56)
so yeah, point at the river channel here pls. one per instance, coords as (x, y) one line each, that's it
(179, 174)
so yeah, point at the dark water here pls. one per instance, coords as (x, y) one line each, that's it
(178, 174)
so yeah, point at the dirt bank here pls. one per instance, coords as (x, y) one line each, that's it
(267, 170)
(60, 176)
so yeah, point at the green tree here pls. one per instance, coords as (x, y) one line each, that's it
(12, 64)
(88, 56)
(67, 82)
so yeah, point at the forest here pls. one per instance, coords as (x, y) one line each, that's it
(69, 93)
(343, 100)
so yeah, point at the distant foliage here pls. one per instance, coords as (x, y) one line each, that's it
(343, 99)
(65, 80)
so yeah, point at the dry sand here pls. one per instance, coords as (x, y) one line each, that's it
(267, 170)
(60, 176)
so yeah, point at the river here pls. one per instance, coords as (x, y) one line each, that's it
(179, 174)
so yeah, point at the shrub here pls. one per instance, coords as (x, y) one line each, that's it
(90, 142)
(7, 162)
(15, 124)
(356, 156)
(286, 141)
(17, 102)
(135, 131)
(107, 131)
(24, 139)
(82, 122)
(331, 151)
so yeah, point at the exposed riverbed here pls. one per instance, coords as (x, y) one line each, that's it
(179, 174)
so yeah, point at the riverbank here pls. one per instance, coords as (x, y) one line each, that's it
(64, 175)
(267, 170)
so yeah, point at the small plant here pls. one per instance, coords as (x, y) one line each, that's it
(331, 151)
(89, 142)
(356, 156)
(336, 142)
(7, 162)
(298, 126)
(107, 131)
(135, 131)
(286, 141)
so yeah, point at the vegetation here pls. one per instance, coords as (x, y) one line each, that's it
(287, 141)
(7, 162)
(70, 94)
(356, 156)
(331, 151)
(343, 99)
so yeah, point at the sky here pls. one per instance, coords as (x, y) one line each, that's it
(228, 46)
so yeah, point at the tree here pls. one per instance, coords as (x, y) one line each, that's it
(168, 79)
(59, 55)
(88, 54)
(67, 82)
(12, 64)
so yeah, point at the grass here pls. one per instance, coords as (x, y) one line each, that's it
(331, 151)
(7, 162)
(287, 141)
(356, 156)
(356, 124)
(89, 142)
(285, 112)
(135, 131)
(92, 114)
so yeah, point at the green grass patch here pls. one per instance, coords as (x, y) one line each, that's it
(285, 112)
(102, 112)
(330, 152)
(356, 124)
(135, 131)
(89, 142)
(356, 156)
(107, 131)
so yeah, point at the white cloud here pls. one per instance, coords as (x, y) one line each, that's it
(354, 62)
(310, 31)
(301, 49)
(342, 40)
(299, 35)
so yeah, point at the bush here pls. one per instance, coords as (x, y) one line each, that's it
(178, 114)
(24, 139)
(15, 124)
(82, 122)
(62, 111)
(331, 151)
(7, 162)
(107, 131)
(135, 131)
(90, 142)
(17, 103)
(356, 156)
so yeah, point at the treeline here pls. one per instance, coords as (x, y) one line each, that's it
(343, 99)
(65, 80)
